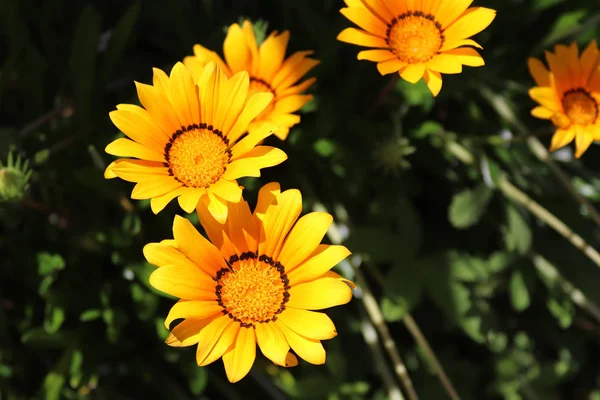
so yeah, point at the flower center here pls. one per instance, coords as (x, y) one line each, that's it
(415, 37)
(197, 155)
(253, 290)
(580, 107)
(260, 86)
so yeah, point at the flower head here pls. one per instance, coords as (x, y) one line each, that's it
(14, 179)
(270, 72)
(255, 282)
(569, 94)
(187, 139)
(417, 39)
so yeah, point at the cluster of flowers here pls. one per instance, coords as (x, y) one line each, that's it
(263, 273)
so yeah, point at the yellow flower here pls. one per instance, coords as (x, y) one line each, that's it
(417, 38)
(269, 72)
(569, 94)
(186, 139)
(256, 283)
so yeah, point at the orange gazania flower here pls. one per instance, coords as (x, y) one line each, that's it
(255, 282)
(187, 139)
(417, 39)
(569, 94)
(269, 70)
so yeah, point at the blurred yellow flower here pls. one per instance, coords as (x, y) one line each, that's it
(254, 284)
(269, 70)
(186, 139)
(417, 39)
(569, 94)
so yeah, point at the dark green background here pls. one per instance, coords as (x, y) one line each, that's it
(78, 318)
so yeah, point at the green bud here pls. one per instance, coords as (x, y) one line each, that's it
(14, 179)
(390, 155)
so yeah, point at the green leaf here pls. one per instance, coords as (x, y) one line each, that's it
(562, 309)
(48, 262)
(428, 128)
(324, 147)
(38, 337)
(517, 235)
(55, 316)
(83, 61)
(119, 38)
(519, 295)
(567, 24)
(402, 292)
(468, 206)
(90, 315)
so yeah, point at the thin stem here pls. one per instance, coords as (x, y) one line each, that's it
(389, 345)
(549, 271)
(514, 193)
(541, 153)
(412, 326)
(376, 317)
(372, 340)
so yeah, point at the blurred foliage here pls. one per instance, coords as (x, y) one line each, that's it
(77, 316)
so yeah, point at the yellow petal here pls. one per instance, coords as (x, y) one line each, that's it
(239, 358)
(157, 204)
(583, 140)
(466, 56)
(290, 104)
(199, 250)
(304, 238)
(365, 20)
(190, 199)
(253, 161)
(278, 221)
(542, 113)
(227, 190)
(445, 63)
(160, 254)
(547, 97)
(209, 89)
(390, 66)
(193, 310)
(321, 260)
(376, 55)
(138, 125)
(299, 88)
(139, 170)
(236, 50)
(413, 72)
(271, 54)
(449, 11)
(539, 72)
(255, 105)
(310, 350)
(216, 206)
(183, 94)
(561, 138)
(290, 361)
(560, 71)
(361, 38)
(589, 61)
(213, 229)
(319, 294)
(126, 148)
(108, 172)
(434, 81)
(473, 21)
(310, 324)
(241, 227)
(183, 282)
(158, 106)
(210, 335)
(226, 340)
(147, 189)
(267, 196)
(232, 101)
(272, 342)
(186, 332)
(252, 139)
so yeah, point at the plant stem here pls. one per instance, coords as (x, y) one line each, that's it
(376, 316)
(412, 326)
(515, 194)
(542, 154)
(549, 271)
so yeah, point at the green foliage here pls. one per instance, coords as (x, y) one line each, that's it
(438, 240)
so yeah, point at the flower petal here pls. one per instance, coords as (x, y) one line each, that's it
(539, 72)
(278, 221)
(239, 358)
(192, 309)
(319, 294)
(434, 81)
(304, 238)
(473, 21)
(186, 333)
(310, 324)
(561, 138)
(361, 38)
(199, 250)
(413, 72)
(272, 342)
(210, 335)
(255, 105)
(183, 282)
(226, 340)
(253, 161)
(310, 350)
(321, 260)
